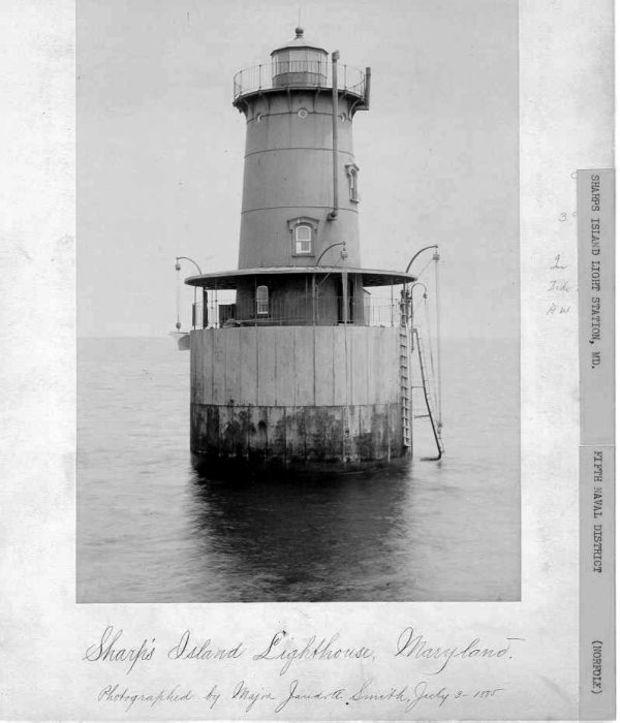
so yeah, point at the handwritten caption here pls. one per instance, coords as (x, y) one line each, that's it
(408, 697)
(296, 677)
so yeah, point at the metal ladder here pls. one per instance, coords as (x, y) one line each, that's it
(405, 386)
(425, 388)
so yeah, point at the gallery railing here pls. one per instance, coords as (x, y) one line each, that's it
(297, 74)
(322, 311)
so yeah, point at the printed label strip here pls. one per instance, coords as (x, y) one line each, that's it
(595, 217)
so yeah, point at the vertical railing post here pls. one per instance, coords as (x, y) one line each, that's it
(205, 308)
(313, 299)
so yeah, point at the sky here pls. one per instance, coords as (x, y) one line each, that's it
(160, 147)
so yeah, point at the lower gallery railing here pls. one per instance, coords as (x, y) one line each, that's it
(222, 310)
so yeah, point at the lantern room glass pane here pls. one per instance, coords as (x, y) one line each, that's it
(281, 63)
(299, 67)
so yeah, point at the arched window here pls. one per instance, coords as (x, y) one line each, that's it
(304, 235)
(303, 239)
(262, 301)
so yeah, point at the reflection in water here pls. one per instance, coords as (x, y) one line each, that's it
(312, 539)
(151, 529)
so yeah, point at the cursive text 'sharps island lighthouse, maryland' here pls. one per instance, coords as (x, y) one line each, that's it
(303, 370)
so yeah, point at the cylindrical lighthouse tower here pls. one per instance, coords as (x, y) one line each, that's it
(289, 213)
(300, 371)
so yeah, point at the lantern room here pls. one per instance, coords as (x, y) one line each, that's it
(299, 63)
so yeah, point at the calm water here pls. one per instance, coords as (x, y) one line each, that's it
(150, 529)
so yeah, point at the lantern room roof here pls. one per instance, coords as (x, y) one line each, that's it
(230, 279)
(299, 42)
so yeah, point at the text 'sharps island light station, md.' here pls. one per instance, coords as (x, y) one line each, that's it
(303, 370)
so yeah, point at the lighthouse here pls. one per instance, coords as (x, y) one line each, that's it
(303, 369)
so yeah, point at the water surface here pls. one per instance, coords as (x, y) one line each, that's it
(150, 529)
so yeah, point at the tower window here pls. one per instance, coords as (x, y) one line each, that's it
(303, 240)
(303, 232)
(262, 301)
(352, 171)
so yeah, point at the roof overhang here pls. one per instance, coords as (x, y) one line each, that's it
(293, 45)
(230, 279)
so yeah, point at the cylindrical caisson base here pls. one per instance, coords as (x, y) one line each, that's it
(296, 398)
(297, 438)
